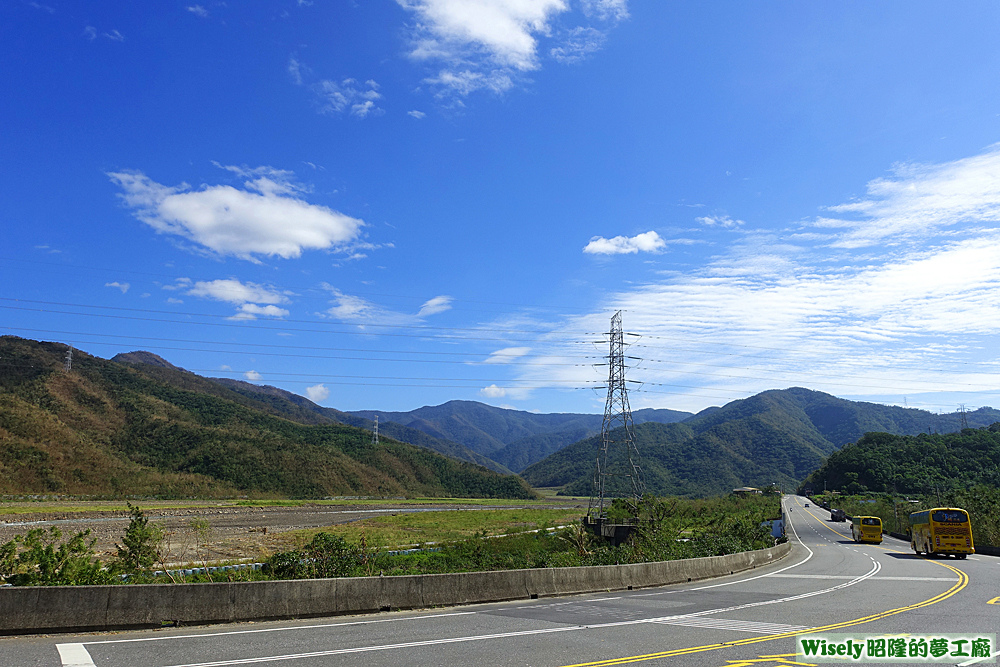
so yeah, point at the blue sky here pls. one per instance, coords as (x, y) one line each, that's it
(385, 204)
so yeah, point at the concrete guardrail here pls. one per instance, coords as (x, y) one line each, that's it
(76, 608)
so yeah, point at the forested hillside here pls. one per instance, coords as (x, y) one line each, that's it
(919, 464)
(776, 436)
(301, 409)
(113, 428)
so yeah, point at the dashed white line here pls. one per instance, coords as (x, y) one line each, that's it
(74, 655)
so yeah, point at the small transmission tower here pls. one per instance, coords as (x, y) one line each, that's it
(375, 432)
(965, 422)
(68, 362)
(617, 473)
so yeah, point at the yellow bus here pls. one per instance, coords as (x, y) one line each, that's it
(866, 529)
(942, 530)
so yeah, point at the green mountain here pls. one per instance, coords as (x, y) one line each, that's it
(513, 438)
(114, 428)
(921, 464)
(776, 436)
(301, 409)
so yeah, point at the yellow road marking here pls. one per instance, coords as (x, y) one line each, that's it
(776, 659)
(994, 601)
(963, 581)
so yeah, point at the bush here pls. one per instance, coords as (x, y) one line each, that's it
(40, 558)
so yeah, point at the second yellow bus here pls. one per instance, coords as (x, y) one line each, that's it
(866, 529)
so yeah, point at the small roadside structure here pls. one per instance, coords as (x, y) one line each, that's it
(747, 491)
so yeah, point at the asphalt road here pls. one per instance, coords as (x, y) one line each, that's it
(828, 582)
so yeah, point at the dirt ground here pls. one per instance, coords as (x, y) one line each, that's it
(210, 532)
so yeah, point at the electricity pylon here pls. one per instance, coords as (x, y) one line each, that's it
(617, 473)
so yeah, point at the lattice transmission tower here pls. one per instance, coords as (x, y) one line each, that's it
(617, 473)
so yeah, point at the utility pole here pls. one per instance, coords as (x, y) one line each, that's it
(375, 432)
(618, 458)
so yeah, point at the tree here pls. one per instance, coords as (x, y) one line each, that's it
(140, 546)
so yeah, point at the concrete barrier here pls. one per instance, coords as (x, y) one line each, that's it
(77, 608)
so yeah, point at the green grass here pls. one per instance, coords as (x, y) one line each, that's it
(407, 529)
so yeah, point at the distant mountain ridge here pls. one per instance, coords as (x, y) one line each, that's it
(513, 438)
(776, 436)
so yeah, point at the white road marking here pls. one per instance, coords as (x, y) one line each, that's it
(296, 627)
(840, 576)
(74, 655)
(741, 626)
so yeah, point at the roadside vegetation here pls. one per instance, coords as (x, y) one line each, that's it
(667, 529)
(982, 502)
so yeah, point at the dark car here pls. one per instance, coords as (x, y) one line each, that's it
(838, 515)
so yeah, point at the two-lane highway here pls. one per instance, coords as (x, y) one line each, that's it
(828, 583)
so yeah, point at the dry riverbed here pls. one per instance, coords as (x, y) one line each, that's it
(214, 531)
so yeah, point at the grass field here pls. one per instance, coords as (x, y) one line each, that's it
(405, 530)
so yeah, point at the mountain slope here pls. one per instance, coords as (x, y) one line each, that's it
(776, 436)
(513, 438)
(301, 409)
(115, 429)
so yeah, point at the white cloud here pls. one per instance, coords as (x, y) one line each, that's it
(922, 200)
(723, 221)
(174, 301)
(578, 44)
(90, 32)
(114, 36)
(225, 367)
(507, 355)
(348, 95)
(357, 310)
(416, 114)
(253, 376)
(250, 311)
(295, 71)
(231, 290)
(493, 391)
(317, 393)
(246, 296)
(269, 217)
(122, 286)
(504, 30)
(623, 245)
(490, 44)
(198, 10)
(438, 304)
(606, 10)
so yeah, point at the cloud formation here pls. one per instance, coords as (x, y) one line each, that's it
(317, 393)
(438, 304)
(493, 391)
(624, 245)
(507, 355)
(357, 310)
(248, 297)
(253, 376)
(920, 200)
(122, 286)
(347, 96)
(268, 216)
(487, 44)
(723, 221)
